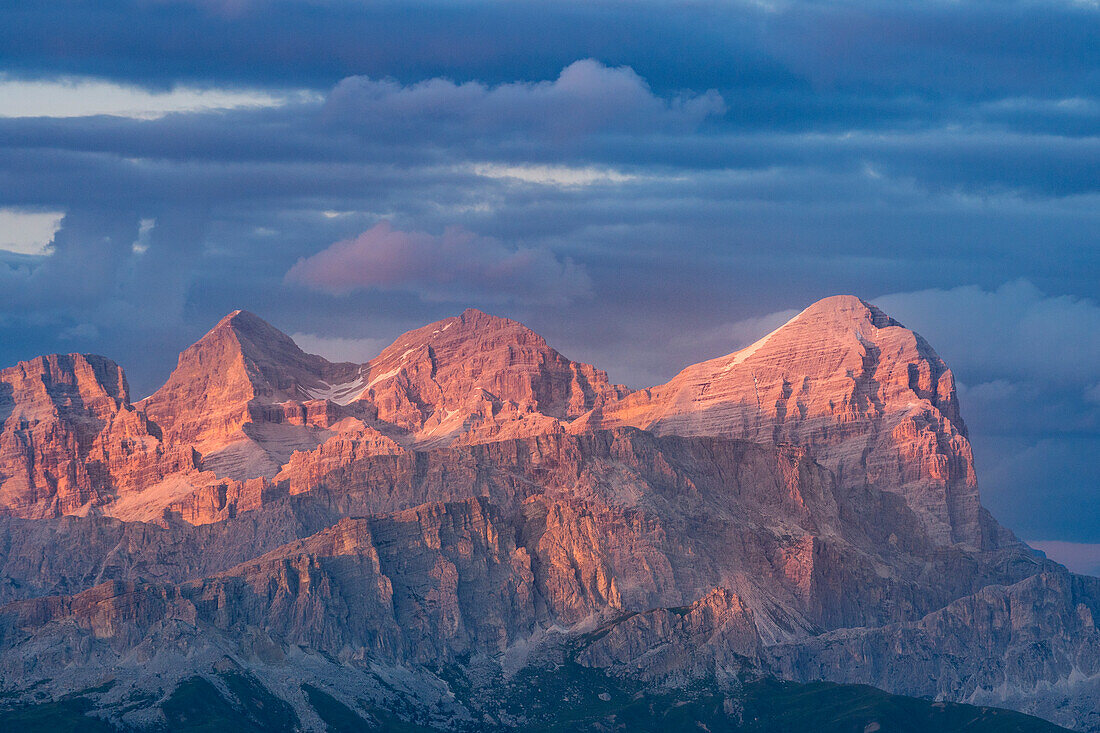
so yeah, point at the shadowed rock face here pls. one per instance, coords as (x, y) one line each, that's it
(472, 500)
(1032, 633)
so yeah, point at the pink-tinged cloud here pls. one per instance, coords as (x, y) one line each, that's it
(586, 98)
(456, 266)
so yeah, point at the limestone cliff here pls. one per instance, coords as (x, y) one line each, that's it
(70, 439)
(869, 398)
(471, 505)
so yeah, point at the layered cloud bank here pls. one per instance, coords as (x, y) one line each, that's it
(647, 184)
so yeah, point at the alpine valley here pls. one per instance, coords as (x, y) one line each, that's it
(471, 532)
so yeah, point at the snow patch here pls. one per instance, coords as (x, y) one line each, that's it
(380, 377)
(341, 394)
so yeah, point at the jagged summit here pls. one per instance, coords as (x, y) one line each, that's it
(236, 395)
(847, 309)
(489, 330)
(868, 397)
(69, 437)
(275, 355)
(87, 378)
(246, 396)
(248, 325)
(806, 505)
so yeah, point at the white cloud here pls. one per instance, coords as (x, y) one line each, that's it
(1066, 106)
(28, 233)
(141, 244)
(80, 332)
(553, 175)
(586, 98)
(83, 97)
(998, 389)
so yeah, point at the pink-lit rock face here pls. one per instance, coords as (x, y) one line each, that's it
(471, 493)
(477, 377)
(867, 397)
(243, 397)
(70, 439)
(246, 397)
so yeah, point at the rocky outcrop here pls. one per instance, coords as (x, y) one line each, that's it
(71, 440)
(246, 397)
(610, 522)
(414, 587)
(242, 395)
(1002, 646)
(666, 642)
(868, 398)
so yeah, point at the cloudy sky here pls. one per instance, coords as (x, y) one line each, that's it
(645, 183)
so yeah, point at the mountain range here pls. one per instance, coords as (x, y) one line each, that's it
(473, 532)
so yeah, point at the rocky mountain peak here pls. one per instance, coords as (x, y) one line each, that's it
(864, 395)
(868, 397)
(68, 380)
(852, 336)
(476, 375)
(471, 325)
(805, 505)
(271, 359)
(247, 325)
(846, 311)
(237, 396)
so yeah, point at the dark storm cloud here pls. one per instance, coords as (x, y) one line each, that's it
(646, 184)
(978, 49)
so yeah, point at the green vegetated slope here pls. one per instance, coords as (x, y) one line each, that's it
(569, 698)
